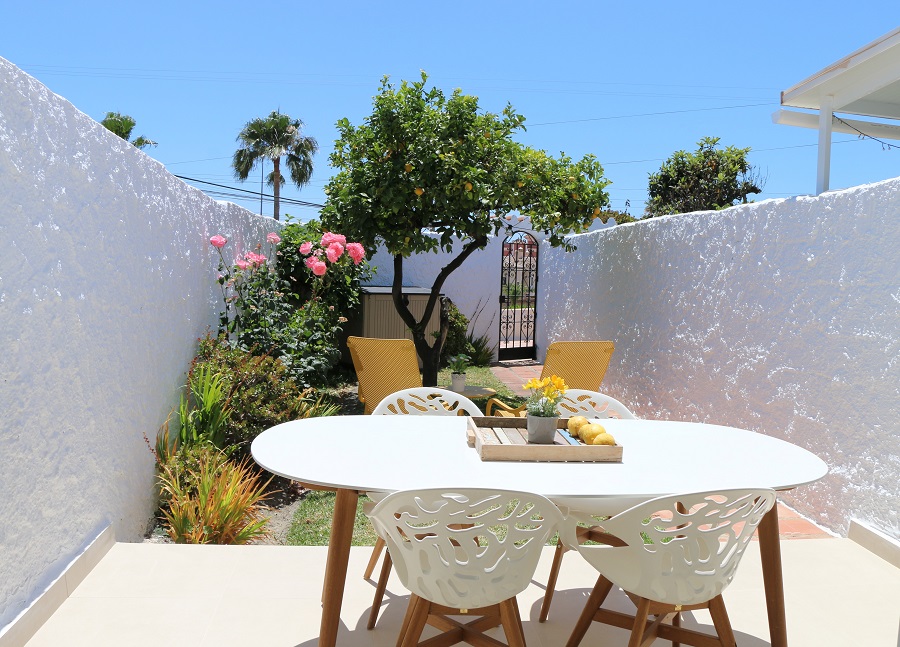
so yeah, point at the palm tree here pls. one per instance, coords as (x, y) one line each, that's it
(122, 125)
(271, 138)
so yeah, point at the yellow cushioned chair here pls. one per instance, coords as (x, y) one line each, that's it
(383, 366)
(582, 364)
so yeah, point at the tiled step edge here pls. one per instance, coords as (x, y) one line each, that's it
(26, 624)
(875, 541)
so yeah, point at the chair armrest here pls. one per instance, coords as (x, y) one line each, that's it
(495, 407)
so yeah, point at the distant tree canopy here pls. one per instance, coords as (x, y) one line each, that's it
(711, 178)
(272, 138)
(123, 125)
(426, 169)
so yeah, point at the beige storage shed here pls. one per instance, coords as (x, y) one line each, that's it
(378, 318)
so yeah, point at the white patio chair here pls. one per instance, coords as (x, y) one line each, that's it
(426, 401)
(671, 554)
(464, 552)
(419, 401)
(590, 404)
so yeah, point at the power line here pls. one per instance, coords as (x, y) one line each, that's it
(301, 203)
(649, 114)
(207, 159)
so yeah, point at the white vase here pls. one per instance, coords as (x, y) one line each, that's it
(541, 429)
(458, 382)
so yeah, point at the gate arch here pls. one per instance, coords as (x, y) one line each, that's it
(518, 296)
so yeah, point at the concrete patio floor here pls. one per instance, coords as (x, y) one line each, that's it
(837, 593)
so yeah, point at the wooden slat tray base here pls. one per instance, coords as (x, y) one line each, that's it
(505, 439)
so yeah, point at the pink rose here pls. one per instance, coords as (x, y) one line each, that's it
(218, 241)
(242, 264)
(306, 247)
(273, 238)
(254, 258)
(328, 238)
(310, 261)
(357, 252)
(334, 251)
(319, 268)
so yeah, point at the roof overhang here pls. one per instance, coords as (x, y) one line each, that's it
(867, 82)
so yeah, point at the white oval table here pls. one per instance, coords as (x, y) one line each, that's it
(352, 454)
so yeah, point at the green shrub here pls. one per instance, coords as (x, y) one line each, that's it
(480, 349)
(203, 411)
(456, 342)
(259, 391)
(209, 499)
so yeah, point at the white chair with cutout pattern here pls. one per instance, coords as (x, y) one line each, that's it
(671, 554)
(419, 401)
(464, 552)
(426, 401)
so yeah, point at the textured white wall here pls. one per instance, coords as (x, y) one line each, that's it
(107, 280)
(782, 317)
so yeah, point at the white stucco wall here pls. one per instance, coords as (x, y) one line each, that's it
(782, 317)
(107, 280)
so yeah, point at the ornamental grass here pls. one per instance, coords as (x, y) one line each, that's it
(212, 500)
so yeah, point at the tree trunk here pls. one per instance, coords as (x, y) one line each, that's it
(430, 354)
(276, 176)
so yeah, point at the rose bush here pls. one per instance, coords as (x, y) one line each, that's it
(305, 262)
(295, 316)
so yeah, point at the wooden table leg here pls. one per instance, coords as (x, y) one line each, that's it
(770, 555)
(336, 565)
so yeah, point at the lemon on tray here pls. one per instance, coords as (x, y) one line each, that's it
(575, 424)
(603, 439)
(590, 431)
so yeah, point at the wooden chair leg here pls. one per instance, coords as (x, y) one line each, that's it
(509, 619)
(416, 622)
(598, 595)
(640, 623)
(519, 618)
(721, 621)
(379, 590)
(376, 552)
(410, 610)
(551, 581)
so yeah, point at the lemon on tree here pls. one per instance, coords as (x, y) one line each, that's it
(442, 135)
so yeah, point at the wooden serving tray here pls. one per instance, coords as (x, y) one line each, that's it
(506, 439)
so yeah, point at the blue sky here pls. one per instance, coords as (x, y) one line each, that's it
(628, 82)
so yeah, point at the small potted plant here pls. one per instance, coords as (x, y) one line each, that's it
(458, 365)
(541, 408)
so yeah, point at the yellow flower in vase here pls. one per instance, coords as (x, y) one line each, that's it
(546, 394)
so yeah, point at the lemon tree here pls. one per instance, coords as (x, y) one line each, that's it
(426, 169)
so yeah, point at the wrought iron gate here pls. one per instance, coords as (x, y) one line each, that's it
(518, 295)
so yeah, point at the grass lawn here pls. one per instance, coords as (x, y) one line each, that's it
(482, 376)
(312, 522)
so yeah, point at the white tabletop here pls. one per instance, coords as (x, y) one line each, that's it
(389, 453)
